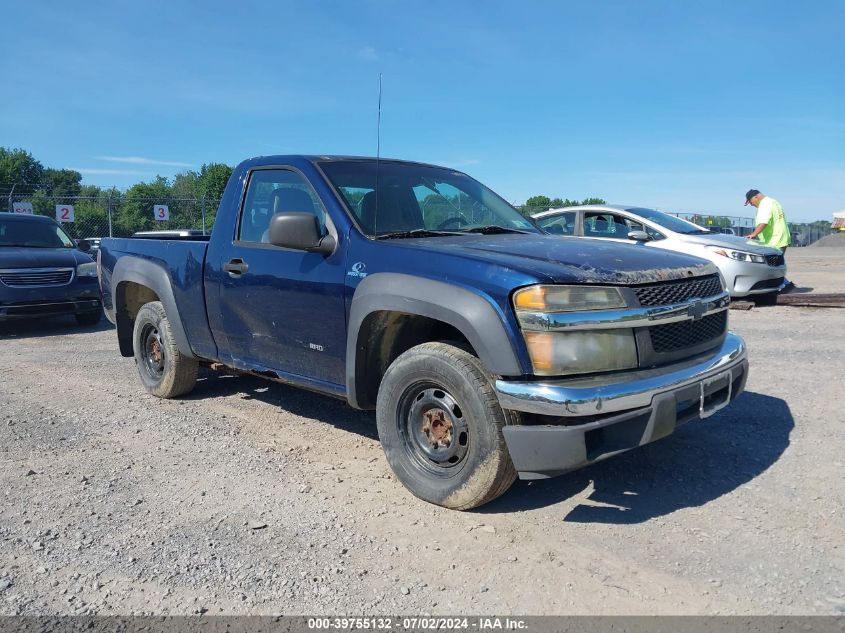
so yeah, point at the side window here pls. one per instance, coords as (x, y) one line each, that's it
(598, 224)
(654, 234)
(605, 224)
(274, 191)
(559, 223)
(633, 225)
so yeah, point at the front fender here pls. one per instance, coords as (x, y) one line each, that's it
(475, 316)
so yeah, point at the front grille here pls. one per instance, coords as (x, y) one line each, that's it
(679, 291)
(32, 277)
(686, 334)
(767, 283)
(775, 260)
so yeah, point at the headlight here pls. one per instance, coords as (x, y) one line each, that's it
(740, 256)
(576, 352)
(88, 269)
(561, 353)
(567, 298)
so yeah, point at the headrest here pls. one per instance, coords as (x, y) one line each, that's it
(290, 199)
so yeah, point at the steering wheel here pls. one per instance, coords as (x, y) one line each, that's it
(458, 221)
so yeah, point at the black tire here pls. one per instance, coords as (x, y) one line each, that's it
(88, 318)
(440, 425)
(163, 370)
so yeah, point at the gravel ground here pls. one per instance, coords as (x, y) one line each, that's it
(252, 497)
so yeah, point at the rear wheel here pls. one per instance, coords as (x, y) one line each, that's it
(164, 371)
(440, 425)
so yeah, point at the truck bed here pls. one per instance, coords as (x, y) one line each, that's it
(156, 259)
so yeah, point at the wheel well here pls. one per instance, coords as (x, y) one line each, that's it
(383, 336)
(129, 298)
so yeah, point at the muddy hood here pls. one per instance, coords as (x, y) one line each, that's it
(30, 257)
(569, 259)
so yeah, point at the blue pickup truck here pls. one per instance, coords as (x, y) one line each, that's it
(488, 349)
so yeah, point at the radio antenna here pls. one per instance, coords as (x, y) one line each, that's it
(378, 155)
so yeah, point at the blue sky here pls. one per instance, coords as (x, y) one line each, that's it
(679, 105)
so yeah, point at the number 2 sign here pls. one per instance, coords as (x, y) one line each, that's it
(161, 212)
(64, 213)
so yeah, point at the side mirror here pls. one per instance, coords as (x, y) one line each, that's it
(639, 236)
(83, 245)
(554, 229)
(299, 231)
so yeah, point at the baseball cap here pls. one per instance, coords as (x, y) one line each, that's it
(750, 194)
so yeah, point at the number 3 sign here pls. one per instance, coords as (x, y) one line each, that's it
(64, 213)
(161, 212)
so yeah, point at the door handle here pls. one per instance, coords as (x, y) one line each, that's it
(236, 267)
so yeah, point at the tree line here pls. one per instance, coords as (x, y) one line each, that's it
(188, 194)
(536, 204)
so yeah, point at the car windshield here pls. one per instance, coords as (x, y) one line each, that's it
(678, 225)
(420, 200)
(14, 232)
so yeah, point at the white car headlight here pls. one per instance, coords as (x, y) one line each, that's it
(577, 352)
(740, 256)
(88, 269)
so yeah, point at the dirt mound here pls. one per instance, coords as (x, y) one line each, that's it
(836, 239)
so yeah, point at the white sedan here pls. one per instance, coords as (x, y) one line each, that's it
(749, 268)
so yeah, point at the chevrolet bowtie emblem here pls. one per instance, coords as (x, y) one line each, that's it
(697, 310)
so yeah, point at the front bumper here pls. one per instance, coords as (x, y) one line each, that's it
(748, 278)
(601, 416)
(13, 311)
(81, 295)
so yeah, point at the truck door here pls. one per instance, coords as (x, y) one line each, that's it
(281, 309)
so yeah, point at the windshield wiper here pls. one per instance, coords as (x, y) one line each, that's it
(399, 235)
(493, 229)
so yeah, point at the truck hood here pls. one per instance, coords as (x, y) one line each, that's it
(28, 257)
(569, 259)
(731, 241)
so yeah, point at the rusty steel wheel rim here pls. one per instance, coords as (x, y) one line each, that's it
(434, 431)
(153, 351)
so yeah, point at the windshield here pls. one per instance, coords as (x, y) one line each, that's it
(670, 222)
(420, 201)
(15, 232)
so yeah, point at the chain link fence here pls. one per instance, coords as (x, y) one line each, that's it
(112, 214)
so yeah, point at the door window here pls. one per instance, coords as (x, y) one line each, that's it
(609, 225)
(654, 234)
(275, 191)
(559, 223)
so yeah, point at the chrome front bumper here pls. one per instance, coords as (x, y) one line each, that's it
(618, 392)
(591, 419)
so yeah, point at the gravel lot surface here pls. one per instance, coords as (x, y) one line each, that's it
(252, 497)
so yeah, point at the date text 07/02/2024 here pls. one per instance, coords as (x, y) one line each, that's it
(416, 623)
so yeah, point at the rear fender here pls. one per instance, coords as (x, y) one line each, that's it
(154, 277)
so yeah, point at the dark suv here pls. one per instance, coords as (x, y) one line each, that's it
(43, 272)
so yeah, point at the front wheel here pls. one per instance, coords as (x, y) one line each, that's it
(164, 371)
(440, 425)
